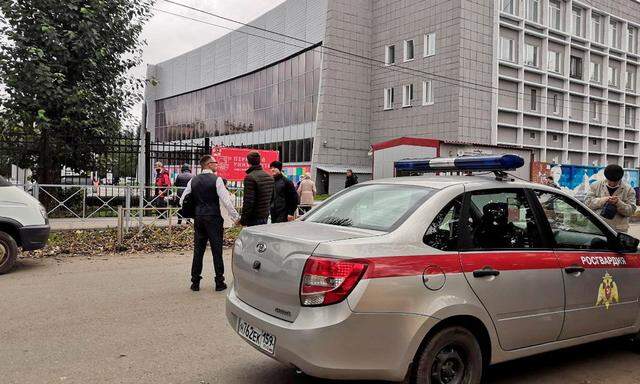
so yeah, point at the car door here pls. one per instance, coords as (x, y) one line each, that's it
(506, 262)
(601, 284)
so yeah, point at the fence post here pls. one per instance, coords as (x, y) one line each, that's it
(119, 230)
(36, 191)
(84, 202)
(127, 205)
(147, 160)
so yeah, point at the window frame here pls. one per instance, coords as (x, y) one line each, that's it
(596, 20)
(577, 16)
(427, 92)
(512, 10)
(388, 99)
(387, 50)
(406, 50)
(458, 230)
(598, 78)
(532, 6)
(546, 225)
(579, 67)
(632, 77)
(555, 9)
(407, 95)
(429, 44)
(465, 236)
(558, 61)
(614, 76)
(533, 95)
(512, 49)
(535, 50)
(614, 34)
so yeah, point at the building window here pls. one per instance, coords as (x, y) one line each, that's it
(596, 28)
(507, 49)
(596, 72)
(555, 14)
(532, 10)
(614, 76)
(577, 21)
(555, 61)
(568, 139)
(532, 135)
(556, 105)
(408, 50)
(595, 110)
(632, 39)
(594, 141)
(390, 55)
(531, 55)
(625, 147)
(576, 67)
(554, 137)
(509, 6)
(407, 95)
(534, 100)
(388, 98)
(629, 117)
(613, 34)
(427, 93)
(631, 78)
(429, 44)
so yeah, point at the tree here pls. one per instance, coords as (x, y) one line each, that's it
(66, 72)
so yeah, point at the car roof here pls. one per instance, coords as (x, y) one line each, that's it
(441, 181)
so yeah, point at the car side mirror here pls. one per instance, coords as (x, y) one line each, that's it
(627, 243)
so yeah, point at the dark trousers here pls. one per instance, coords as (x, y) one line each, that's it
(253, 222)
(207, 229)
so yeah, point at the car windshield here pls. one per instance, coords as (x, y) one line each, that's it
(373, 206)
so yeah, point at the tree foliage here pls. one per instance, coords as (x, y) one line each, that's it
(65, 66)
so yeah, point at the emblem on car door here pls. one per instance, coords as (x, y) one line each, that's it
(607, 292)
(261, 247)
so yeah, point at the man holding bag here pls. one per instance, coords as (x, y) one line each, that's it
(613, 199)
(206, 192)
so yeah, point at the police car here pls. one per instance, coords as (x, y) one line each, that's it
(432, 278)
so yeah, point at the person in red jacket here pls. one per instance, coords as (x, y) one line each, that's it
(163, 183)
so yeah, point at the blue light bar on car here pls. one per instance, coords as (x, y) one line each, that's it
(463, 163)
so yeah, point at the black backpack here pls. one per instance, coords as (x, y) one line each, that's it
(188, 209)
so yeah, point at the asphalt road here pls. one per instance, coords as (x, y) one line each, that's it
(133, 320)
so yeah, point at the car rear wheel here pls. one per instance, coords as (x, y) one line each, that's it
(8, 252)
(451, 356)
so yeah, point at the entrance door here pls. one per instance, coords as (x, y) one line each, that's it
(601, 285)
(506, 263)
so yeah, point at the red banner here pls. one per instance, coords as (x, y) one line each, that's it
(232, 162)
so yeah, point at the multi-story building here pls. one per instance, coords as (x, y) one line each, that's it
(324, 80)
(573, 66)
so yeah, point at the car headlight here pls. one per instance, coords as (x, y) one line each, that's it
(43, 211)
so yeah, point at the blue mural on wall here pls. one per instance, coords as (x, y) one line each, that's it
(576, 179)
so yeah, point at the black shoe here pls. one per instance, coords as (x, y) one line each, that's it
(195, 286)
(221, 286)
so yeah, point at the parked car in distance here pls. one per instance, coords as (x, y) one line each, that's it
(23, 224)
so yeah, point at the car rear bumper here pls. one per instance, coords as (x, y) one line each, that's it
(335, 343)
(34, 237)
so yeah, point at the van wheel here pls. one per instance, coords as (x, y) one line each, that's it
(8, 252)
(451, 356)
(635, 342)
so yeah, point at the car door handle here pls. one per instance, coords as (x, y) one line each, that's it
(486, 271)
(574, 269)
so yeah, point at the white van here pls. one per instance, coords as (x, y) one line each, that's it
(23, 223)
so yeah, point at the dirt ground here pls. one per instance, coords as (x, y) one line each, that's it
(132, 319)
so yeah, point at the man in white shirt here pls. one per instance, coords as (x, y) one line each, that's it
(208, 191)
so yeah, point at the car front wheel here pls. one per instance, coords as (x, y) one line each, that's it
(8, 252)
(451, 356)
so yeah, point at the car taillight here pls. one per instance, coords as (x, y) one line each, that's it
(329, 281)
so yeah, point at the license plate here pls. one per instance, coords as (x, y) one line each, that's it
(256, 336)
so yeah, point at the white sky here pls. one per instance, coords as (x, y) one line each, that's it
(168, 36)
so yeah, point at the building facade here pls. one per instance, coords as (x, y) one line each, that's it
(324, 80)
